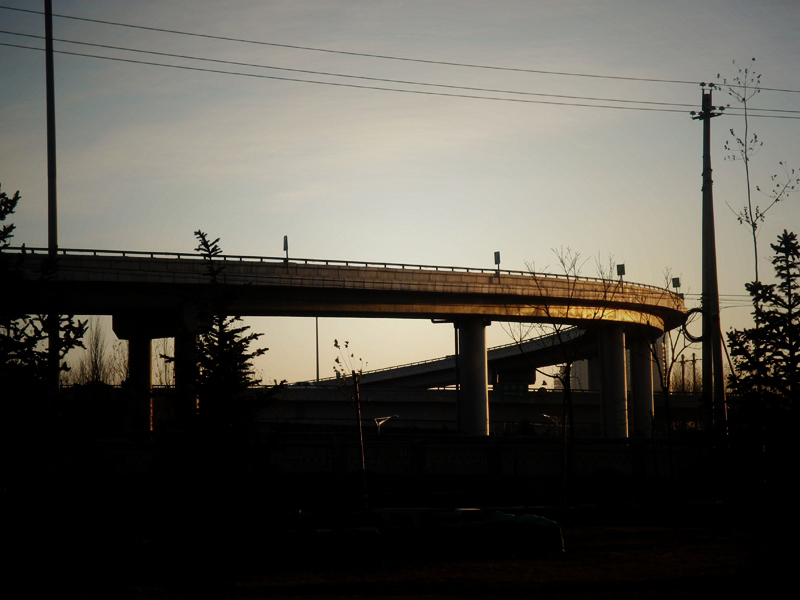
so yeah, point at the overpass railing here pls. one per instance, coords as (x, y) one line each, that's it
(316, 261)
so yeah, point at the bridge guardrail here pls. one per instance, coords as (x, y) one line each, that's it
(318, 261)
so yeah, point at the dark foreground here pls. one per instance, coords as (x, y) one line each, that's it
(198, 522)
(704, 553)
(600, 562)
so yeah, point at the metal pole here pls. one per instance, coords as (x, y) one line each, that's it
(683, 373)
(713, 392)
(458, 374)
(316, 325)
(52, 214)
(357, 398)
(53, 333)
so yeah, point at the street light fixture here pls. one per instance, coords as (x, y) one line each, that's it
(381, 420)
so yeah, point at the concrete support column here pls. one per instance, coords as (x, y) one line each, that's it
(186, 375)
(614, 392)
(594, 370)
(641, 413)
(140, 359)
(659, 352)
(473, 402)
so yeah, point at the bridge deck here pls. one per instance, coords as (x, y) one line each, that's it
(105, 282)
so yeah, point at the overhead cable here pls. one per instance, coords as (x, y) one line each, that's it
(348, 85)
(382, 56)
(406, 91)
(363, 77)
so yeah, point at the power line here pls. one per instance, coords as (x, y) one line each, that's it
(381, 79)
(385, 80)
(406, 91)
(751, 115)
(351, 85)
(383, 56)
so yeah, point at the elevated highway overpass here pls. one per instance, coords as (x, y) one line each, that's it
(515, 362)
(151, 294)
(105, 282)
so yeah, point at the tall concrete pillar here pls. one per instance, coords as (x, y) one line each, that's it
(661, 355)
(140, 360)
(641, 413)
(186, 375)
(594, 370)
(473, 399)
(614, 392)
(140, 357)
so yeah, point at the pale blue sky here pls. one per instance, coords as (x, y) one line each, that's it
(147, 155)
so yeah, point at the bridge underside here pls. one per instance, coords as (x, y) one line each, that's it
(615, 356)
(474, 369)
(155, 297)
(516, 362)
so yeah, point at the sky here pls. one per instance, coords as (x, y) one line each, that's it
(149, 154)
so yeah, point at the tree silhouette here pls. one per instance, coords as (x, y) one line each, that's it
(347, 375)
(99, 364)
(767, 362)
(569, 340)
(7, 208)
(667, 350)
(743, 87)
(225, 357)
(767, 356)
(23, 338)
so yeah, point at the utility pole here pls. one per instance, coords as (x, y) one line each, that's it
(713, 393)
(52, 214)
(53, 333)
